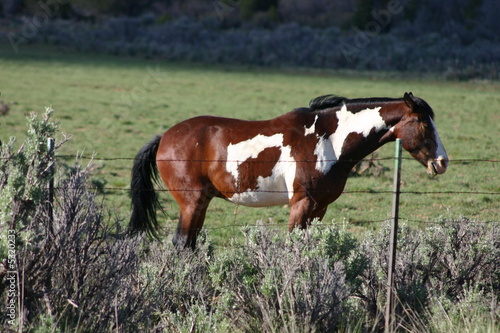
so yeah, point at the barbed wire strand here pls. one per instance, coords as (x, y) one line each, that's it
(368, 191)
(284, 225)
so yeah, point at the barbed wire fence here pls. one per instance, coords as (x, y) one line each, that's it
(494, 162)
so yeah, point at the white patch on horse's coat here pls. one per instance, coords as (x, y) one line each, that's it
(329, 150)
(440, 151)
(311, 129)
(274, 190)
(325, 155)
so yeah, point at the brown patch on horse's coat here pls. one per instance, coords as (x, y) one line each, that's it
(254, 168)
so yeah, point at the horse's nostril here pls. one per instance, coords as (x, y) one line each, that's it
(442, 162)
(439, 165)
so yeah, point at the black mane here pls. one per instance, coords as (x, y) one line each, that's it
(331, 101)
(326, 102)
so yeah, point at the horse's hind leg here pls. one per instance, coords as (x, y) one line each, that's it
(193, 207)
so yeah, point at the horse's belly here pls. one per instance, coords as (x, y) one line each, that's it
(259, 198)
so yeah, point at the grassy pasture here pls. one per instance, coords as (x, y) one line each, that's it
(113, 106)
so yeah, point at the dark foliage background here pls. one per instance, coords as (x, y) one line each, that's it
(456, 38)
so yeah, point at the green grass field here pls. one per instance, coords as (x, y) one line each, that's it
(112, 106)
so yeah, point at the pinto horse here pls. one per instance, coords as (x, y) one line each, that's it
(301, 158)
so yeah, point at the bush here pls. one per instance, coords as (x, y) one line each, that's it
(272, 283)
(441, 262)
(23, 179)
(81, 276)
(70, 269)
(297, 282)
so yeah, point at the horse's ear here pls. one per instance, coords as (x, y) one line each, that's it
(409, 100)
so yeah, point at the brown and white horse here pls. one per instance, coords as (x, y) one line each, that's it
(301, 158)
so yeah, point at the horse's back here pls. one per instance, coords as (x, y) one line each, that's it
(195, 144)
(221, 130)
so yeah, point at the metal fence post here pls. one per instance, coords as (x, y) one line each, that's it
(390, 317)
(50, 199)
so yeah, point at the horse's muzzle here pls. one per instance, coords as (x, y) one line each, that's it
(438, 166)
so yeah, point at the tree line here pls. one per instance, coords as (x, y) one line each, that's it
(474, 16)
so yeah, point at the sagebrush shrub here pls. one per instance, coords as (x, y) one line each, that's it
(73, 269)
(296, 281)
(24, 176)
(443, 260)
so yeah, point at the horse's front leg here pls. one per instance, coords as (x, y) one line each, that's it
(301, 212)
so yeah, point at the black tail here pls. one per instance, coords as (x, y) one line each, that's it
(144, 198)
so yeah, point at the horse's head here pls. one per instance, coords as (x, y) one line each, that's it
(420, 137)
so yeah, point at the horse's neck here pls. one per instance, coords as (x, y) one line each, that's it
(359, 134)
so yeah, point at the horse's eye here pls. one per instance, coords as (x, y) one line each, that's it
(430, 144)
(414, 151)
